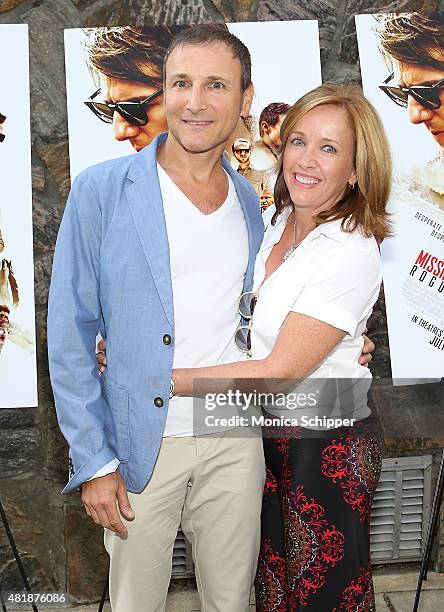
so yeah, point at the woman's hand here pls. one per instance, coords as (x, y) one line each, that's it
(367, 350)
(101, 356)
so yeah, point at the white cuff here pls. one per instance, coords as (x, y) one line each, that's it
(109, 468)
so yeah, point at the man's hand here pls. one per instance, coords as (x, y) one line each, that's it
(99, 497)
(101, 356)
(367, 350)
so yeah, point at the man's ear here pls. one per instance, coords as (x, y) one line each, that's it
(265, 128)
(247, 100)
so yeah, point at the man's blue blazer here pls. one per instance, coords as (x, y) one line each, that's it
(111, 273)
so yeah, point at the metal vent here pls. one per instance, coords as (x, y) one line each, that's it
(401, 509)
(182, 558)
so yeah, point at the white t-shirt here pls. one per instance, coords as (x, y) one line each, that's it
(333, 276)
(208, 260)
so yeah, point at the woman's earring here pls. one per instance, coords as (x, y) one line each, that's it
(352, 187)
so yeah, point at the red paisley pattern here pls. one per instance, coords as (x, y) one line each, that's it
(354, 463)
(311, 544)
(271, 587)
(309, 530)
(358, 596)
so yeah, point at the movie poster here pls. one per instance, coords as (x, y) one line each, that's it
(18, 376)
(413, 259)
(275, 47)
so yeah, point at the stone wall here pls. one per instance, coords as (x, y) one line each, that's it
(60, 548)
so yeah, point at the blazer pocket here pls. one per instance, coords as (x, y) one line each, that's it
(117, 420)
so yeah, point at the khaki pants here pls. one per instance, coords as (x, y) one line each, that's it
(213, 485)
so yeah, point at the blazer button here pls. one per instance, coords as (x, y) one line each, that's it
(158, 402)
(167, 339)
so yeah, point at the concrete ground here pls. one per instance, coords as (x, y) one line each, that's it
(395, 592)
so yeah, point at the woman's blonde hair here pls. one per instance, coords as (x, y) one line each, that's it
(365, 205)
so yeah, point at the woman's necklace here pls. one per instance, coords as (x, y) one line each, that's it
(294, 246)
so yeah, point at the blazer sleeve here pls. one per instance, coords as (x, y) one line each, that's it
(74, 315)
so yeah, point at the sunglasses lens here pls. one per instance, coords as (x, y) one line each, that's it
(242, 339)
(397, 95)
(133, 113)
(247, 304)
(103, 112)
(428, 100)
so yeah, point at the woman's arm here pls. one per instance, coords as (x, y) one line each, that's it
(302, 344)
(364, 358)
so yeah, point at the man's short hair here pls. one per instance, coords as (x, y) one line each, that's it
(272, 113)
(209, 33)
(416, 38)
(131, 54)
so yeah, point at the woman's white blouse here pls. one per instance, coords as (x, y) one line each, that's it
(333, 276)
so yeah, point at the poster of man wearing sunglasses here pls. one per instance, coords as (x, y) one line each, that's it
(402, 65)
(18, 376)
(115, 97)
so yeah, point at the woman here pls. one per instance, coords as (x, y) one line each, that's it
(317, 277)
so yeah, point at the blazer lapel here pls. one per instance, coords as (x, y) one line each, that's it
(145, 202)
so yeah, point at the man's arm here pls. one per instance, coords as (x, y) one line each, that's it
(74, 313)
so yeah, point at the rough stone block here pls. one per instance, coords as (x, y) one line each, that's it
(56, 159)
(57, 449)
(7, 5)
(87, 560)
(42, 276)
(20, 449)
(146, 12)
(46, 221)
(36, 527)
(38, 177)
(46, 22)
(235, 11)
(412, 411)
(42, 354)
(325, 11)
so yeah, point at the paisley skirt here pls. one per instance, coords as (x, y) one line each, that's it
(316, 511)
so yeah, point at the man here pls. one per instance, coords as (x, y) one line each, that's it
(266, 199)
(258, 178)
(265, 151)
(123, 265)
(413, 45)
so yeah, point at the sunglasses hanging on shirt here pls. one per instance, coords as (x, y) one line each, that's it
(246, 305)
